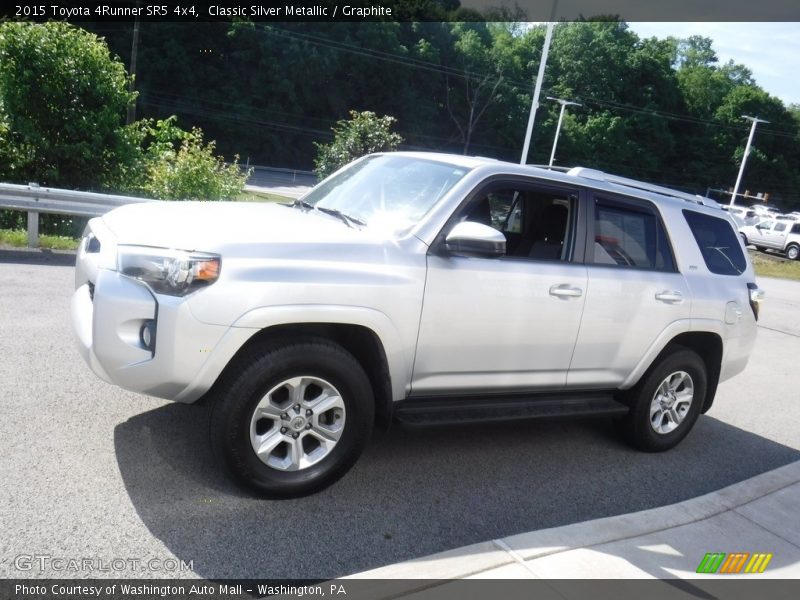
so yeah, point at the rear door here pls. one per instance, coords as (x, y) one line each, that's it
(634, 290)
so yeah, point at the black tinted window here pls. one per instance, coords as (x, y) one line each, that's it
(718, 243)
(536, 222)
(796, 228)
(628, 237)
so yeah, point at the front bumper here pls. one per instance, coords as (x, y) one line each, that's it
(108, 311)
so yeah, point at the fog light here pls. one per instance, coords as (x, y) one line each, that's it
(147, 335)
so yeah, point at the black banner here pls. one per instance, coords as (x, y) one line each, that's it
(430, 589)
(400, 10)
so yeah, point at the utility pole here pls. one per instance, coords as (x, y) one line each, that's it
(755, 121)
(132, 83)
(538, 87)
(564, 104)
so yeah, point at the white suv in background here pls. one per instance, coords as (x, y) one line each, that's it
(426, 288)
(781, 235)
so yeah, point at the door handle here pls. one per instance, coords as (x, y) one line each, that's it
(670, 296)
(565, 290)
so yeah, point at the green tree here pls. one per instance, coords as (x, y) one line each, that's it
(476, 88)
(773, 165)
(364, 133)
(63, 98)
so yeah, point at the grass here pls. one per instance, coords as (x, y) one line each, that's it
(773, 265)
(19, 237)
(261, 197)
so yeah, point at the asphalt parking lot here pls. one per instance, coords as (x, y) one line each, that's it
(91, 471)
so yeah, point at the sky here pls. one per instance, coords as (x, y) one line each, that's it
(770, 50)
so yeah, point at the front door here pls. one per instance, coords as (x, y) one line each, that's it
(509, 323)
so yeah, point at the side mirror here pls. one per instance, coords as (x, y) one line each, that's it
(475, 239)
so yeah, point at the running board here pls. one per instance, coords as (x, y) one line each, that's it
(439, 410)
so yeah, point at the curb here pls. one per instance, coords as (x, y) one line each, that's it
(477, 558)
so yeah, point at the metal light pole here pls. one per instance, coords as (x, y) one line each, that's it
(755, 121)
(131, 116)
(564, 104)
(538, 87)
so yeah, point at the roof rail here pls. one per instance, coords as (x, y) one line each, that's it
(640, 185)
(552, 168)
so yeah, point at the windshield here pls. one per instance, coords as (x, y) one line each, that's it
(390, 192)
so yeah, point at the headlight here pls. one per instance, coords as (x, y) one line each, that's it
(172, 272)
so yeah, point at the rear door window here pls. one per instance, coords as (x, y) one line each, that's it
(718, 243)
(629, 236)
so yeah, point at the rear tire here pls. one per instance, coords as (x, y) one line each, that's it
(264, 427)
(793, 252)
(666, 402)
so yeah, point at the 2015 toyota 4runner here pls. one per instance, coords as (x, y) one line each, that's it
(420, 287)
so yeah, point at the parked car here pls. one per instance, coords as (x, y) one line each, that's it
(765, 211)
(781, 235)
(421, 287)
(746, 214)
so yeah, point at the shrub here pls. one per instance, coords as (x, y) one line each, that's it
(364, 133)
(178, 165)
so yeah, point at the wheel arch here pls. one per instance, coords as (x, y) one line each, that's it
(362, 342)
(708, 345)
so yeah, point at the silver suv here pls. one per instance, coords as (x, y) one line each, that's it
(424, 288)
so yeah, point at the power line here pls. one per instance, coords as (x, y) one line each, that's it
(506, 82)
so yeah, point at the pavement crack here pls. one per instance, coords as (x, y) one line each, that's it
(757, 524)
(779, 331)
(517, 558)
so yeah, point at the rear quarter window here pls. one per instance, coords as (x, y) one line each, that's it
(718, 243)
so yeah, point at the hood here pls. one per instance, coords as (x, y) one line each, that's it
(215, 226)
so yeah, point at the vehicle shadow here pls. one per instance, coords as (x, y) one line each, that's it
(414, 492)
(37, 256)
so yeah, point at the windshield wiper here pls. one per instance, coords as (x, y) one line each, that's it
(347, 219)
(343, 216)
(301, 204)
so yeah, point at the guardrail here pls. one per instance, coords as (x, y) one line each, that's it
(276, 176)
(34, 200)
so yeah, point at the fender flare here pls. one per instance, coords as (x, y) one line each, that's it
(399, 359)
(669, 333)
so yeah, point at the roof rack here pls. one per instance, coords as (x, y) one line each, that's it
(552, 168)
(640, 185)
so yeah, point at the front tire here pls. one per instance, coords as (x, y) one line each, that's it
(666, 402)
(292, 419)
